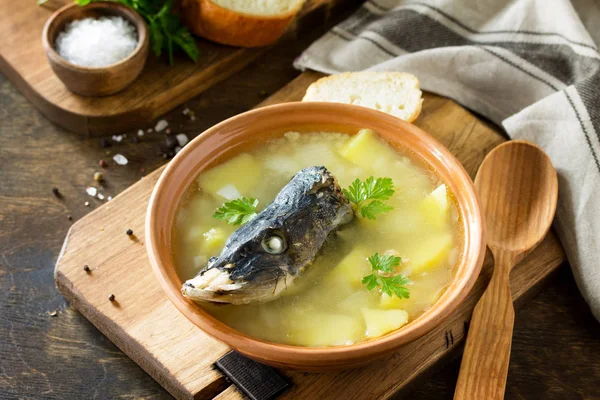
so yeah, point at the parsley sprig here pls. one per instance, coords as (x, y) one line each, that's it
(238, 211)
(166, 29)
(375, 191)
(389, 285)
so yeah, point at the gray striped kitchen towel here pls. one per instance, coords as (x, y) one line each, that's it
(532, 66)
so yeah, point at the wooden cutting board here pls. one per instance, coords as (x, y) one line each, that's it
(148, 328)
(158, 89)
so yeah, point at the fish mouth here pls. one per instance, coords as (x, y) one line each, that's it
(216, 285)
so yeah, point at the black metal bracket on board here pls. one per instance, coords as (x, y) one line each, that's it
(255, 380)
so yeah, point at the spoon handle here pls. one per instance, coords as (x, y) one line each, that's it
(484, 365)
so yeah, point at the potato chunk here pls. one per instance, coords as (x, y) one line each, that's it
(430, 253)
(323, 329)
(367, 150)
(354, 302)
(380, 322)
(242, 172)
(392, 301)
(213, 240)
(435, 207)
(352, 268)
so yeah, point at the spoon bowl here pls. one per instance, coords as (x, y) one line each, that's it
(518, 212)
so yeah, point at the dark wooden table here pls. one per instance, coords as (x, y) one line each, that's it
(48, 350)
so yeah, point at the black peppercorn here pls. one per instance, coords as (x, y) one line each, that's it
(86, 268)
(55, 192)
(129, 232)
(111, 297)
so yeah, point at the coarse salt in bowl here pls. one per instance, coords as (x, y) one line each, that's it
(98, 49)
(97, 42)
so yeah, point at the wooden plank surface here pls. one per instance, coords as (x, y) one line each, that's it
(158, 89)
(144, 324)
(47, 346)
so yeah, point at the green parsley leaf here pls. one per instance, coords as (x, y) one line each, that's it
(370, 281)
(237, 212)
(380, 188)
(384, 263)
(374, 208)
(372, 190)
(356, 192)
(389, 285)
(395, 285)
(166, 29)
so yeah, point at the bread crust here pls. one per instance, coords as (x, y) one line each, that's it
(221, 25)
(323, 82)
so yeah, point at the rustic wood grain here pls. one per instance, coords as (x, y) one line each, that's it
(146, 326)
(555, 343)
(158, 89)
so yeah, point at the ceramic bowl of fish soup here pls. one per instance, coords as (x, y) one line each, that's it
(313, 276)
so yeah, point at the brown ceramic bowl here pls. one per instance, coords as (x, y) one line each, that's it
(96, 81)
(249, 130)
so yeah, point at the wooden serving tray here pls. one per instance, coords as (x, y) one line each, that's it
(158, 89)
(150, 330)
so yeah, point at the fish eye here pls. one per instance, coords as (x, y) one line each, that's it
(273, 244)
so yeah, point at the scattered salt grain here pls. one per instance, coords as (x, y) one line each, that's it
(100, 196)
(178, 149)
(160, 125)
(120, 159)
(109, 198)
(117, 138)
(149, 130)
(141, 132)
(92, 42)
(186, 111)
(87, 204)
(182, 139)
(92, 191)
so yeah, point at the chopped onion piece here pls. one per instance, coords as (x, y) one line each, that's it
(229, 192)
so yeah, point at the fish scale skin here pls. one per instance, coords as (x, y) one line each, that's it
(304, 213)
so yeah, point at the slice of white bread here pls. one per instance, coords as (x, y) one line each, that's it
(395, 93)
(245, 23)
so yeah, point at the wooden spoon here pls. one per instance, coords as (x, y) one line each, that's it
(518, 190)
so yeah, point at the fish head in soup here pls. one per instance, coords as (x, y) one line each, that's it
(265, 255)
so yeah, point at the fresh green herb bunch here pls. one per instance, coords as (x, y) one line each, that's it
(373, 190)
(166, 29)
(238, 211)
(389, 285)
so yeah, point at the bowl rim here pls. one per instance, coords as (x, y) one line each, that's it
(123, 11)
(292, 355)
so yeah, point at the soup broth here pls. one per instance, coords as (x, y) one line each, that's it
(328, 305)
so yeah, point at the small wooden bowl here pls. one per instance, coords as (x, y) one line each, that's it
(250, 129)
(96, 81)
